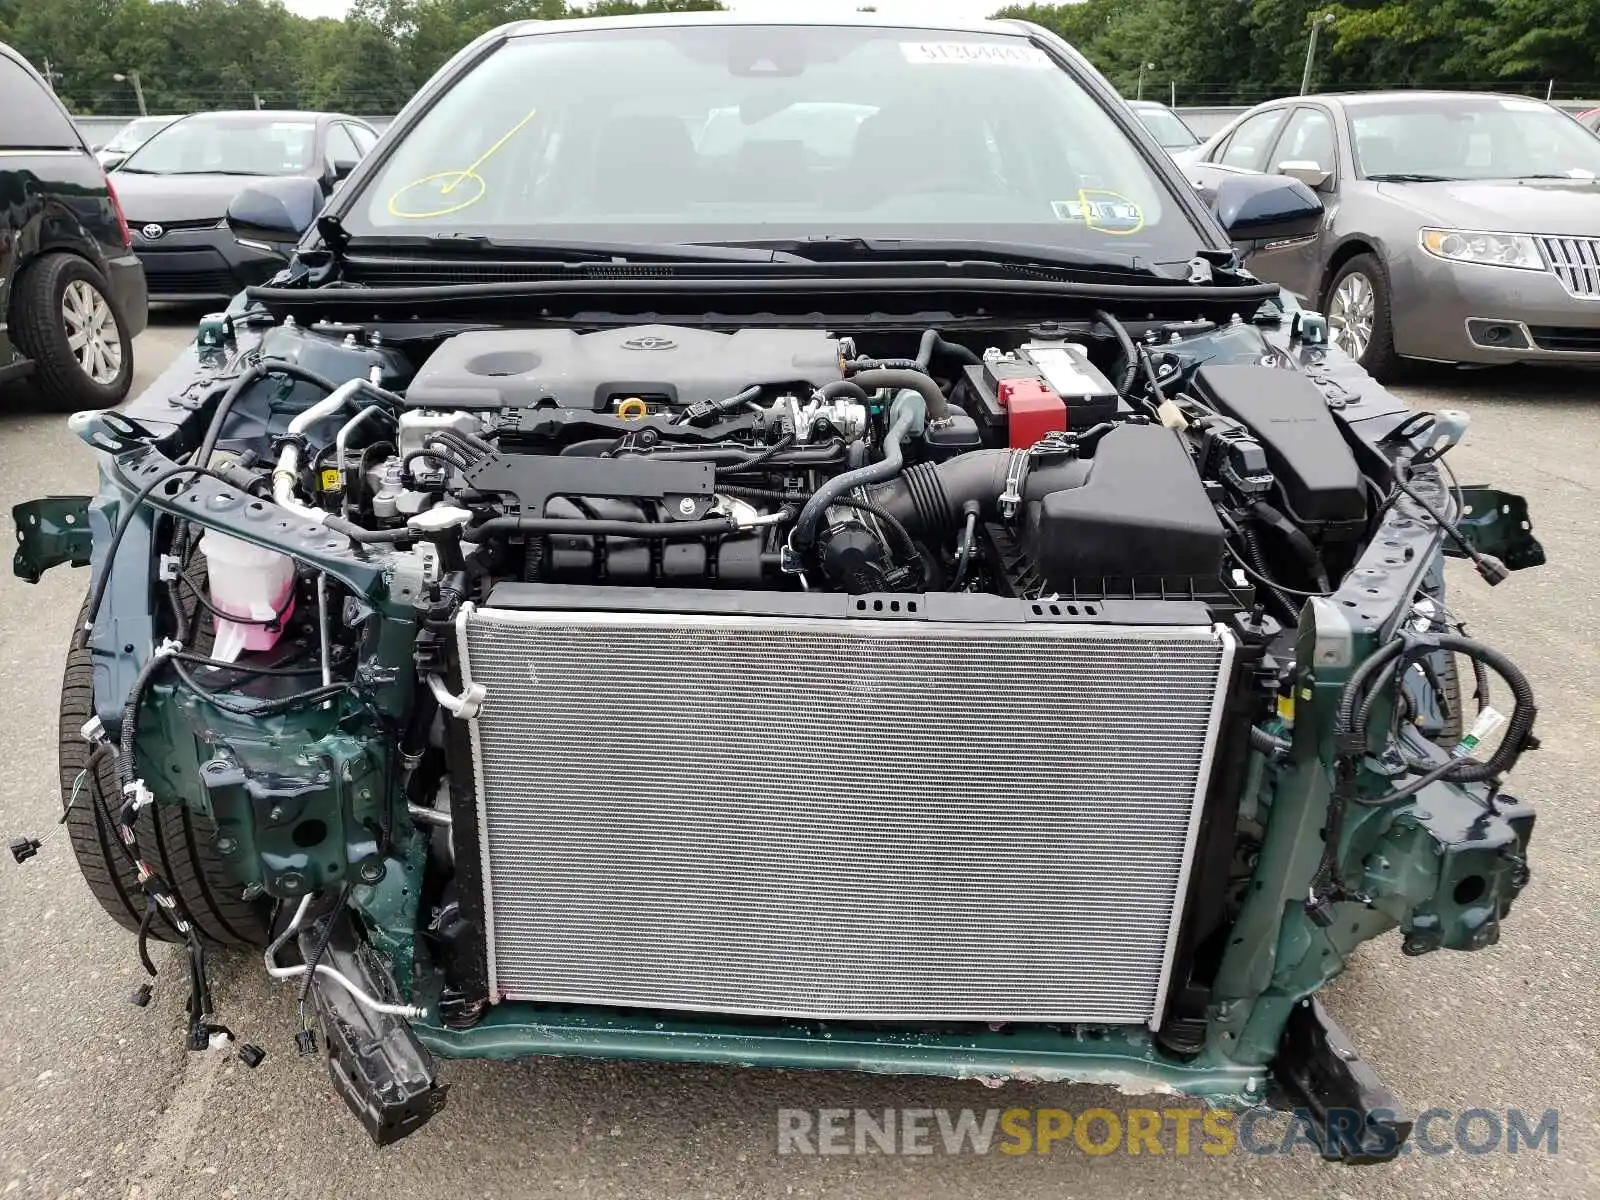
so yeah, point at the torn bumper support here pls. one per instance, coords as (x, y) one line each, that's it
(383, 1072)
(1318, 1074)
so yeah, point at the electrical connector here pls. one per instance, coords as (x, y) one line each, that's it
(24, 848)
(251, 1055)
(141, 996)
(305, 1042)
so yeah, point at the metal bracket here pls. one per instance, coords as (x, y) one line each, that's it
(51, 531)
(1496, 523)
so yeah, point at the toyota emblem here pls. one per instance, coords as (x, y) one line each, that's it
(153, 232)
(649, 342)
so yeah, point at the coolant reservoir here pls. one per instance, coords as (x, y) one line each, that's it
(246, 581)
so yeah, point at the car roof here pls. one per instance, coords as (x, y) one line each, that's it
(868, 20)
(1364, 99)
(267, 116)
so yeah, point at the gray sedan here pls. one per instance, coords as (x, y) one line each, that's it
(1460, 227)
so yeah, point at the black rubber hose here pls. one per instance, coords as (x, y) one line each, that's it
(822, 455)
(1298, 542)
(1125, 340)
(366, 537)
(1266, 743)
(255, 371)
(1252, 547)
(933, 341)
(805, 530)
(929, 499)
(844, 387)
(917, 381)
(642, 530)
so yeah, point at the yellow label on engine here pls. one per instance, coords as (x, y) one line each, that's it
(1286, 707)
(330, 480)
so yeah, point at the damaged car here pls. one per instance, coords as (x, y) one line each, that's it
(881, 588)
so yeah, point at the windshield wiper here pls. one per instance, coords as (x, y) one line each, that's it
(1407, 177)
(850, 248)
(578, 252)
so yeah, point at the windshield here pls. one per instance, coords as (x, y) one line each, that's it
(131, 135)
(1169, 129)
(227, 145)
(1471, 137)
(739, 132)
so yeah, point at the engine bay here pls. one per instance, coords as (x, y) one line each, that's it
(794, 459)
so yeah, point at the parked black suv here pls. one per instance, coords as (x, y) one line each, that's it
(72, 292)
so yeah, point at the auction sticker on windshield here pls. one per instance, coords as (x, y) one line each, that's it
(982, 53)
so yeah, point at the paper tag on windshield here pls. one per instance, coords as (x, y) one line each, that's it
(998, 54)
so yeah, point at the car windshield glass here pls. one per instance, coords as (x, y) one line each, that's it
(227, 146)
(134, 133)
(1471, 137)
(740, 132)
(1165, 124)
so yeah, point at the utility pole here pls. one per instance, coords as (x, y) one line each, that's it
(138, 89)
(50, 74)
(1174, 86)
(1143, 67)
(1317, 22)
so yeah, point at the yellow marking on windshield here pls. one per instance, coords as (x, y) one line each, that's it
(1097, 202)
(455, 179)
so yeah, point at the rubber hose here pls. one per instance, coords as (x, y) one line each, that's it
(249, 375)
(1120, 332)
(933, 341)
(930, 498)
(805, 530)
(916, 381)
(1298, 541)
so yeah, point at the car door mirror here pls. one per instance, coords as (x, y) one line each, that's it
(275, 213)
(1312, 174)
(1265, 208)
(340, 169)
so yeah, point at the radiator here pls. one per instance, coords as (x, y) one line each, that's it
(846, 819)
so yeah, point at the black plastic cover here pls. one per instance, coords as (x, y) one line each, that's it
(1305, 450)
(663, 364)
(1143, 512)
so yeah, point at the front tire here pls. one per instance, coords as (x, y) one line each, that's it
(178, 843)
(64, 320)
(1360, 319)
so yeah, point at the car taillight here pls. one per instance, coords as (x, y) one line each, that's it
(122, 221)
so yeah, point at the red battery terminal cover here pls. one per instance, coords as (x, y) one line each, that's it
(1032, 411)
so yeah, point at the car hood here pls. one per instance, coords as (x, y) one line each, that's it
(1567, 207)
(164, 199)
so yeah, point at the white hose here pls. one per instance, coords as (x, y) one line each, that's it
(409, 1011)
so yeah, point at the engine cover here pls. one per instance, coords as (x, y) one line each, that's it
(664, 365)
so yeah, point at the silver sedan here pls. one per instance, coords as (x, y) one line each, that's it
(1460, 227)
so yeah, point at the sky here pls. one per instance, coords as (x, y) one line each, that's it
(911, 10)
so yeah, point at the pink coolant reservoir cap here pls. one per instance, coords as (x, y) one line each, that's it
(247, 581)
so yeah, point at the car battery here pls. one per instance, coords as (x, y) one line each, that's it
(1038, 389)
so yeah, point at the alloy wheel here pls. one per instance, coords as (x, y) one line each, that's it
(1352, 312)
(92, 331)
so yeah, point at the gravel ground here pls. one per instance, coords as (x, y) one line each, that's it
(97, 1099)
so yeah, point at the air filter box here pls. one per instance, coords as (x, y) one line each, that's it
(1142, 513)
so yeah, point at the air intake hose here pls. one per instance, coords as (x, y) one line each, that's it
(928, 499)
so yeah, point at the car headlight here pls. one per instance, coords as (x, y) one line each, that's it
(1490, 249)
